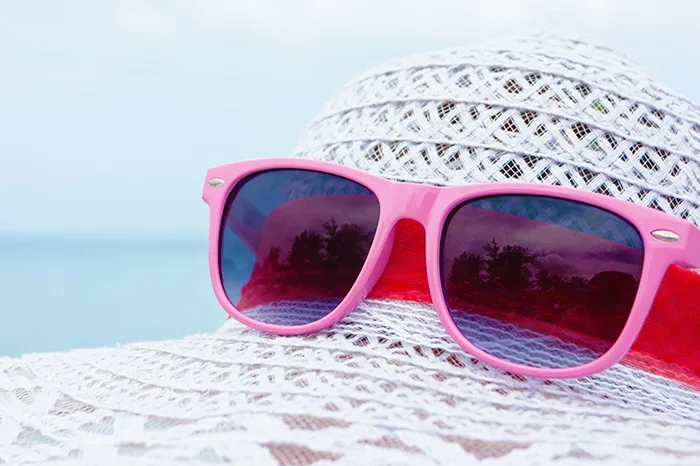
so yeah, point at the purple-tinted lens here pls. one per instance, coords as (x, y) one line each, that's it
(540, 281)
(293, 242)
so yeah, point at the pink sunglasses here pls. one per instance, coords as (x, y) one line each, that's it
(538, 280)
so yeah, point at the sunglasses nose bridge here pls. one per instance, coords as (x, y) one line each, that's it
(413, 201)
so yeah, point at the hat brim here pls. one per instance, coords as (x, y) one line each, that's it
(387, 383)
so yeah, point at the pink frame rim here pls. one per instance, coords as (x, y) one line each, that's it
(430, 205)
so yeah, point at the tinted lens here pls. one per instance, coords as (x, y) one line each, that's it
(540, 281)
(293, 242)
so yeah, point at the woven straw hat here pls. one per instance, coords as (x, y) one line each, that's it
(387, 385)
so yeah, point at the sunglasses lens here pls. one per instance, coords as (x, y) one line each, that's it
(293, 242)
(540, 281)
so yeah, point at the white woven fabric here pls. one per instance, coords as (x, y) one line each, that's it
(540, 110)
(387, 386)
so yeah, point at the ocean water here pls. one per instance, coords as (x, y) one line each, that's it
(58, 294)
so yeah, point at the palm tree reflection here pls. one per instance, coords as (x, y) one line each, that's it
(319, 264)
(511, 284)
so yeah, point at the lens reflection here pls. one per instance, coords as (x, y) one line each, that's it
(540, 281)
(293, 242)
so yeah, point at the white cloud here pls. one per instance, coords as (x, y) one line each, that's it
(294, 21)
(303, 19)
(147, 20)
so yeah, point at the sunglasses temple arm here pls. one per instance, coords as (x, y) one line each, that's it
(694, 249)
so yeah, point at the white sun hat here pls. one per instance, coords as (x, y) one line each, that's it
(387, 385)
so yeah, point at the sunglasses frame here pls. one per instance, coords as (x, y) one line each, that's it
(667, 240)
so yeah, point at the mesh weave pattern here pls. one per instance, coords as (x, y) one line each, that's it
(387, 386)
(540, 110)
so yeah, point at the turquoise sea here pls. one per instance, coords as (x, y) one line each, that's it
(62, 293)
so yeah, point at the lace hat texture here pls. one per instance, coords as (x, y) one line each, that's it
(387, 386)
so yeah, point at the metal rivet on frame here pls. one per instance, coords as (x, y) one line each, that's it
(216, 182)
(666, 235)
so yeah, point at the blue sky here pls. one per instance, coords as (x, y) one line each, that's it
(111, 111)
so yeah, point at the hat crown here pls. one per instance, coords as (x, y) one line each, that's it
(539, 109)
